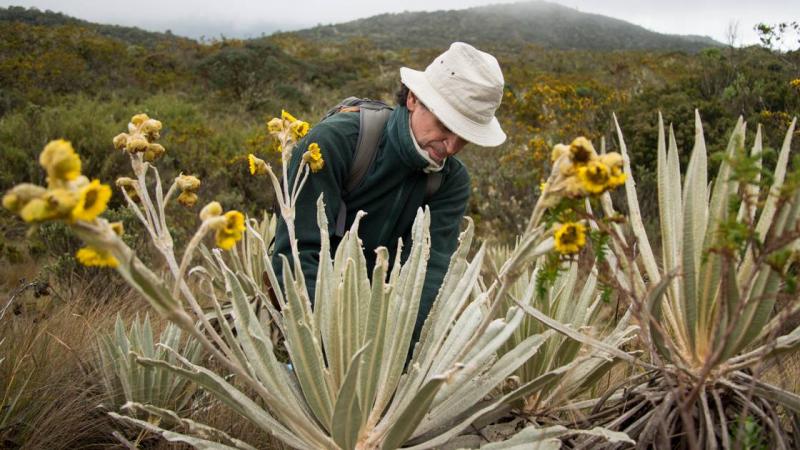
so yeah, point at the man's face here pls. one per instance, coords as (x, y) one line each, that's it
(431, 135)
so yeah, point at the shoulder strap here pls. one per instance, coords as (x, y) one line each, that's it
(372, 123)
(372, 120)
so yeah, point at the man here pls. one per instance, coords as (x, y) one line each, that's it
(439, 110)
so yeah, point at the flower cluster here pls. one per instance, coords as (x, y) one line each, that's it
(287, 128)
(69, 197)
(570, 238)
(313, 157)
(580, 172)
(257, 165)
(130, 186)
(795, 83)
(95, 257)
(140, 138)
(188, 184)
(229, 227)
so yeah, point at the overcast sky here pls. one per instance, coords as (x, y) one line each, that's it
(250, 18)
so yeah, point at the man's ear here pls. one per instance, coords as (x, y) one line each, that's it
(411, 101)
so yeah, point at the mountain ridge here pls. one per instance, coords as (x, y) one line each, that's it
(131, 35)
(500, 26)
(510, 24)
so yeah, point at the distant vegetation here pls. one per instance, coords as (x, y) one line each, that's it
(130, 35)
(216, 96)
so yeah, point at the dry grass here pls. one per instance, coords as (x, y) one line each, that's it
(784, 372)
(51, 362)
(48, 367)
(12, 274)
(17, 281)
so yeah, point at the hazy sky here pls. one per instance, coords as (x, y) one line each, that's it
(248, 18)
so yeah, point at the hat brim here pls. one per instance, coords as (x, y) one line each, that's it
(484, 134)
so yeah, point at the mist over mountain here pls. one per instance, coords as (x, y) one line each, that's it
(506, 25)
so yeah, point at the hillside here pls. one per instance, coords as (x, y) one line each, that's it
(217, 95)
(129, 35)
(506, 26)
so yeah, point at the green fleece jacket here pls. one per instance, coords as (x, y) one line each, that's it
(390, 194)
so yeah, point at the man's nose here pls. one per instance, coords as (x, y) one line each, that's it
(453, 144)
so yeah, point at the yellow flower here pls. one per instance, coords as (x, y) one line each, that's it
(617, 178)
(153, 152)
(611, 160)
(188, 182)
(60, 161)
(13, 202)
(287, 117)
(573, 187)
(121, 141)
(275, 125)
(230, 230)
(138, 119)
(570, 238)
(19, 196)
(225, 242)
(92, 257)
(314, 157)
(795, 83)
(211, 210)
(136, 144)
(151, 128)
(36, 210)
(615, 164)
(299, 129)
(581, 151)
(54, 204)
(92, 201)
(62, 201)
(118, 228)
(187, 198)
(234, 221)
(257, 165)
(594, 177)
(129, 186)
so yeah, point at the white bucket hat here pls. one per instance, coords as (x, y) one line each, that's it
(463, 88)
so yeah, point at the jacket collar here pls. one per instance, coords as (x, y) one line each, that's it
(398, 132)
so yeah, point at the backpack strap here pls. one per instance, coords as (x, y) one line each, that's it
(372, 121)
(344, 105)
